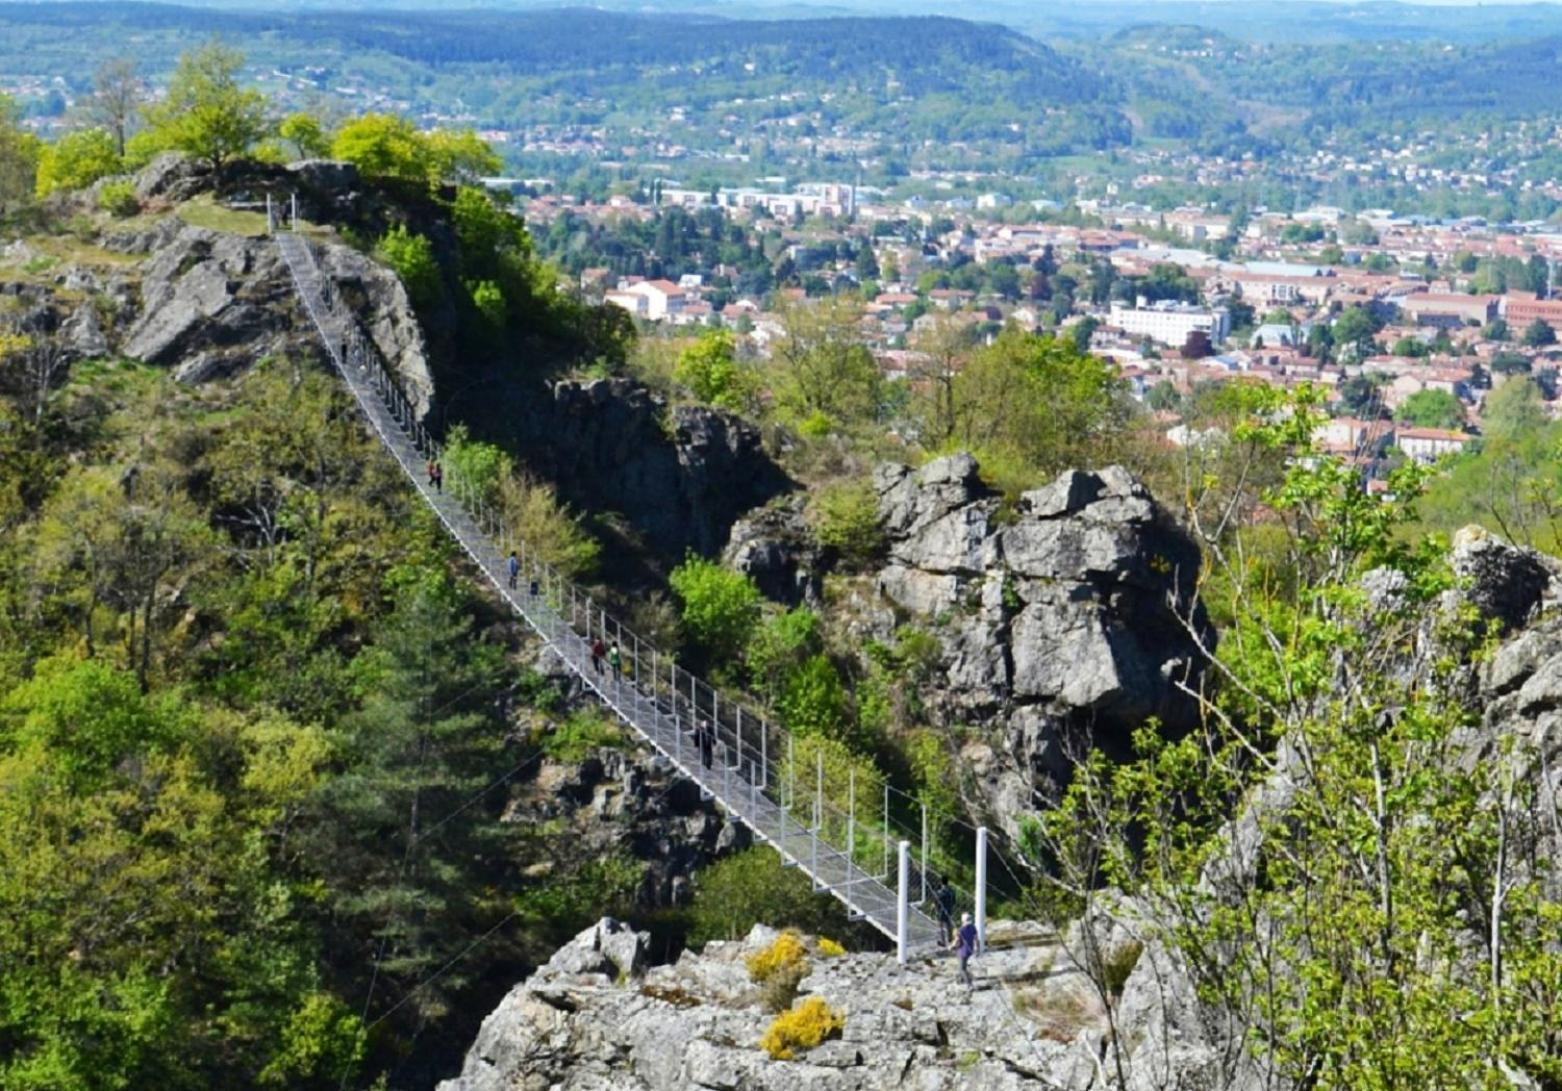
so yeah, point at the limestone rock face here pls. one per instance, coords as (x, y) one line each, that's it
(1507, 584)
(1067, 617)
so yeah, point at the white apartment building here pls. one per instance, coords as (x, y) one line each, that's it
(1169, 323)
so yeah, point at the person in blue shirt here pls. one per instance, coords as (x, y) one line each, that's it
(514, 565)
(965, 946)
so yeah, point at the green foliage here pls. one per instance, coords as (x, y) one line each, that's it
(846, 519)
(1433, 409)
(560, 905)
(20, 151)
(488, 300)
(206, 113)
(1365, 916)
(780, 646)
(383, 146)
(814, 701)
(821, 367)
(322, 1044)
(306, 134)
(389, 146)
(1033, 405)
(720, 607)
(751, 887)
(580, 736)
(77, 160)
(1539, 334)
(119, 199)
(411, 256)
(481, 467)
(532, 511)
(709, 368)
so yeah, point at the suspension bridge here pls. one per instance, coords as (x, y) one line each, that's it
(856, 849)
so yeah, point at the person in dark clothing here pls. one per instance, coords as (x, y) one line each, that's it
(944, 901)
(514, 567)
(432, 473)
(705, 739)
(439, 478)
(965, 946)
(597, 652)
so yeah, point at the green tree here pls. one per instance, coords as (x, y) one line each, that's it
(821, 365)
(720, 607)
(1539, 334)
(384, 146)
(117, 96)
(19, 152)
(1495, 330)
(411, 256)
(709, 368)
(77, 160)
(1433, 409)
(306, 134)
(1356, 327)
(206, 113)
(846, 519)
(752, 887)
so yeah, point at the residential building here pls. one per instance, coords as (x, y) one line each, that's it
(1427, 445)
(1168, 322)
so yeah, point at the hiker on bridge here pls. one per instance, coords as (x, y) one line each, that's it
(598, 653)
(944, 900)
(705, 740)
(615, 659)
(438, 474)
(965, 946)
(514, 567)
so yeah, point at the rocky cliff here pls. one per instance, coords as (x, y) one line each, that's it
(1065, 619)
(681, 475)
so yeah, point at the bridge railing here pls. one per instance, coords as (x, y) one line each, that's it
(860, 849)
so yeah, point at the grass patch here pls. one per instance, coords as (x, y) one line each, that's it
(204, 212)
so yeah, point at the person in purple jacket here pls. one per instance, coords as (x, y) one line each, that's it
(965, 946)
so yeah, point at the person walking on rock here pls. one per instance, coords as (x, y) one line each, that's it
(597, 652)
(615, 659)
(944, 900)
(965, 947)
(513, 565)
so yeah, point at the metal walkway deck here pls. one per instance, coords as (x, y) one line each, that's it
(864, 860)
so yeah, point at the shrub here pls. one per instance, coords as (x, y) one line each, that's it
(119, 199)
(830, 949)
(846, 518)
(482, 466)
(741, 890)
(785, 951)
(578, 737)
(551, 532)
(1119, 964)
(814, 701)
(412, 258)
(816, 425)
(806, 1026)
(720, 607)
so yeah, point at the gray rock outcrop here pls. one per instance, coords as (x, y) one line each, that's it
(681, 475)
(582, 1024)
(775, 548)
(1069, 617)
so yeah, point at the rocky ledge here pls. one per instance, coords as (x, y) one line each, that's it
(597, 1017)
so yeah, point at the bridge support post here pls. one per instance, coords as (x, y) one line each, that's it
(902, 900)
(818, 811)
(981, 888)
(851, 818)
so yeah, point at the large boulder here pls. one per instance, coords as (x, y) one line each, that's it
(1066, 621)
(775, 547)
